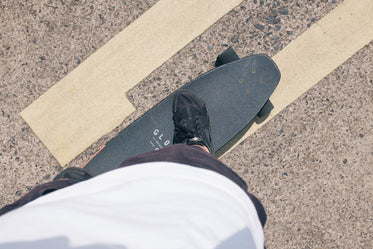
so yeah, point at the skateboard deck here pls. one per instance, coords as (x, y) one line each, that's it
(235, 92)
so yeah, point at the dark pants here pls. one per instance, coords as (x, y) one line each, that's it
(179, 153)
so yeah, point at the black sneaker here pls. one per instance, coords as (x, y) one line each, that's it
(191, 120)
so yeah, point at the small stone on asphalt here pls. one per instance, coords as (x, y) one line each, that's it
(259, 26)
(284, 11)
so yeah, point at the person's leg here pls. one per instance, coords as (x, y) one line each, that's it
(202, 147)
(192, 127)
(192, 144)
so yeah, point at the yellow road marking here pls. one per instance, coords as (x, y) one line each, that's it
(90, 101)
(319, 51)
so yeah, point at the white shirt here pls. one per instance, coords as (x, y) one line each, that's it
(153, 205)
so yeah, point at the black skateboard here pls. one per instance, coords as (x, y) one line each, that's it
(235, 92)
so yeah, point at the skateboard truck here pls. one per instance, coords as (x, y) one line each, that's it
(266, 109)
(227, 56)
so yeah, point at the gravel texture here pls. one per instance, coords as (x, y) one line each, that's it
(311, 165)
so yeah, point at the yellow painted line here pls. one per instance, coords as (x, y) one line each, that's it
(319, 51)
(90, 101)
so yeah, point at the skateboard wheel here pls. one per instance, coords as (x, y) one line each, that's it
(227, 56)
(266, 109)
